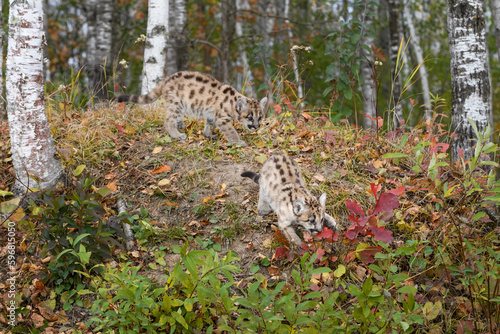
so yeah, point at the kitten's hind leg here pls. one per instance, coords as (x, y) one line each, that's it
(173, 119)
(207, 132)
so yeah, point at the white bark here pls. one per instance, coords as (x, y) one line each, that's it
(415, 43)
(32, 146)
(469, 73)
(177, 52)
(156, 44)
(495, 8)
(99, 40)
(368, 88)
(242, 61)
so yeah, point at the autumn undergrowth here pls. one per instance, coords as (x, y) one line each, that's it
(416, 250)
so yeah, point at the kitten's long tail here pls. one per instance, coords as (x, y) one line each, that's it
(143, 99)
(251, 175)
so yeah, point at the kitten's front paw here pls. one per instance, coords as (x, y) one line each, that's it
(182, 137)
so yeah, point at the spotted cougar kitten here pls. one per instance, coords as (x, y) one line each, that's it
(282, 190)
(201, 96)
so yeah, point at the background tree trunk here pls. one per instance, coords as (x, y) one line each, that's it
(178, 48)
(368, 89)
(228, 26)
(415, 43)
(298, 81)
(32, 146)
(100, 16)
(469, 73)
(394, 15)
(495, 8)
(156, 45)
(242, 60)
(2, 109)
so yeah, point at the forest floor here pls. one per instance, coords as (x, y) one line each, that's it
(192, 192)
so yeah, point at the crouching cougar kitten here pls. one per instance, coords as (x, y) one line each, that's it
(201, 96)
(282, 190)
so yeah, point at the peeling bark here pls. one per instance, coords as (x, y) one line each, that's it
(394, 18)
(469, 73)
(32, 145)
(156, 45)
(495, 8)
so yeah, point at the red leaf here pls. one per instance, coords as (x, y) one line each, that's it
(381, 234)
(277, 108)
(374, 190)
(279, 237)
(281, 252)
(321, 253)
(387, 202)
(353, 231)
(367, 254)
(117, 87)
(397, 191)
(326, 233)
(461, 153)
(306, 115)
(354, 207)
(314, 287)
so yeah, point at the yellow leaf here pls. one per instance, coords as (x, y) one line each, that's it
(157, 149)
(171, 204)
(339, 271)
(261, 158)
(206, 199)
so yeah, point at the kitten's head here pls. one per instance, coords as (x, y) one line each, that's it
(250, 112)
(310, 213)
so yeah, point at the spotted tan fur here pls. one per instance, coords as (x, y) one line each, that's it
(282, 190)
(201, 96)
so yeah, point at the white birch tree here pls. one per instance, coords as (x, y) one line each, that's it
(2, 114)
(156, 44)
(298, 81)
(177, 52)
(242, 60)
(415, 43)
(32, 145)
(368, 89)
(99, 41)
(470, 96)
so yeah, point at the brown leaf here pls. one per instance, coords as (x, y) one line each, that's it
(162, 169)
(157, 149)
(110, 176)
(377, 163)
(273, 270)
(223, 191)
(37, 320)
(112, 186)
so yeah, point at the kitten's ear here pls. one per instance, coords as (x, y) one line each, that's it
(299, 206)
(322, 199)
(263, 103)
(241, 105)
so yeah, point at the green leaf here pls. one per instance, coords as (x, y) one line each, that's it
(78, 170)
(339, 271)
(367, 286)
(407, 289)
(4, 193)
(321, 270)
(394, 155)
(9, 206)
(180, 319)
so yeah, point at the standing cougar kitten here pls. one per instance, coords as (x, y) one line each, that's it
(282, 190)
(201, 96)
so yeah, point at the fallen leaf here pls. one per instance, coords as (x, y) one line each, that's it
(273, 270)
(162, 169)
(37, 320)
(135, 254)
(222, 192)
(112, 186)
(163, 182)
(261, 158)
(171, 204)
(110, 176)
(157, 149)
(320, 178)
(206, 199)
(377, 164)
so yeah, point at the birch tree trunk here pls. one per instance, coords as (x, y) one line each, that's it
(228, 26)
(495, 8)
(298, 81)
(368, 88)
(415, 43)
(32, 146)
(155, 50)
(394, 8)
(242, 60)
(99, 41)
(177, 52)
(470, 87)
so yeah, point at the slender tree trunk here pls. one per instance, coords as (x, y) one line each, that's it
(32, 146)
(394, 11)
(177, 52)
(242, 60)
(415, 43)
(228, 26)
(368, 88)
(156, 45)
(469, 74)
(495, 8)
(298, 81)
(99, 41)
